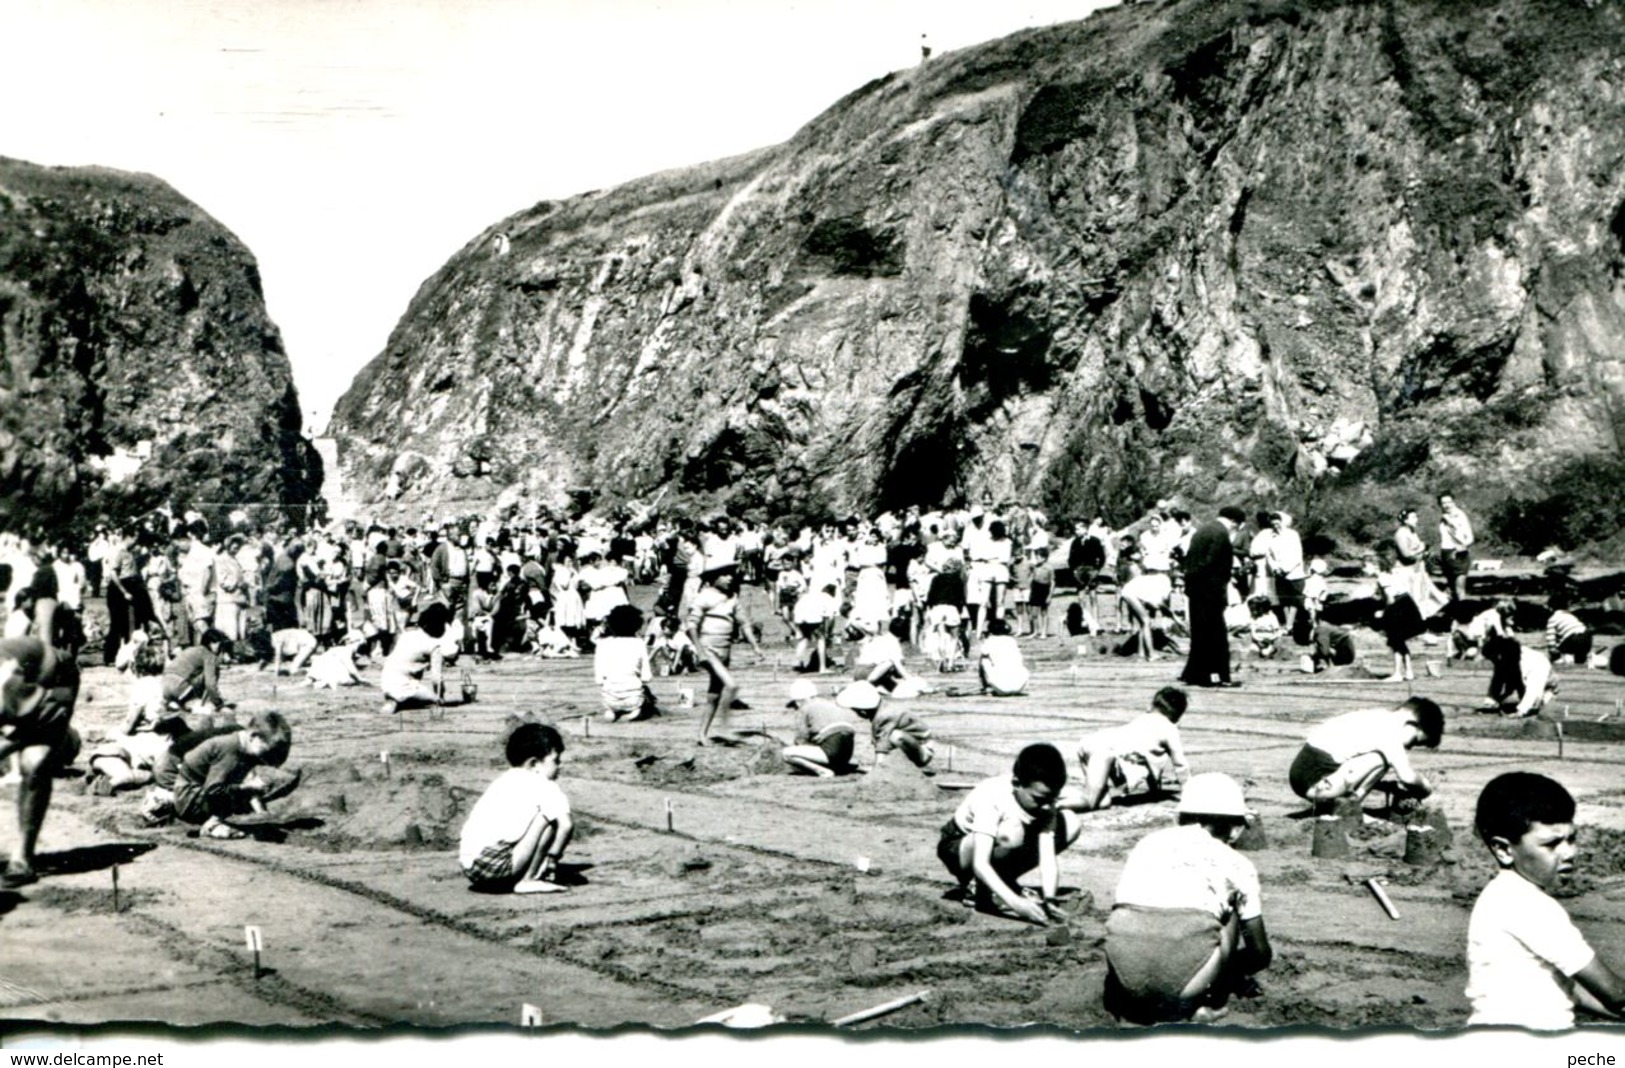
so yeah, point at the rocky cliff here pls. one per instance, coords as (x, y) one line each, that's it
(137, 364)
(1316, 254)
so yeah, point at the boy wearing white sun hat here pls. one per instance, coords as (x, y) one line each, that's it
(1187, 927)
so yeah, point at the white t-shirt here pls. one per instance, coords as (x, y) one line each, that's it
(1187, 868)
(1148, 735)
(622, 667)
(506, 809)
(991, 808)
(412, 655)
(1006, 672)
(1370, 730)
(1522, 953)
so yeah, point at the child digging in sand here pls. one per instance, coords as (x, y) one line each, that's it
(891, 725)
(1187, 925)
(824, 734)
(1007, 826)
(521, 826)
(1142, 756)
(1527, 964)
(126, 760)
(1346, 756)
(218, 773)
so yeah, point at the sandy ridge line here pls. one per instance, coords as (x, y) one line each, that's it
(438, 918)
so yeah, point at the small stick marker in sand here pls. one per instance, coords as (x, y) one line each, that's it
(529, 1015)
(383, 758)
(586, 726)
(669, 827)
(251, 935)
(1559, 726)
(1382, 898)
(115, 888)
(950, 758)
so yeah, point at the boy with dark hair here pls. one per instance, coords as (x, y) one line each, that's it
(194, 674)
(1007, 826)
(1187, 926)
(1141, 756)
(1521, 681)
(1347, 755)
(521, 826)
(1527, 964)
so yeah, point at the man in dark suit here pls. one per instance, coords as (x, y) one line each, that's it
(1208, 564)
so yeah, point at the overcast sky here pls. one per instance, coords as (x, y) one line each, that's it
(354, 145)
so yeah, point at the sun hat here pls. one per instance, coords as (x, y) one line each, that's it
(859, 696)
(801, 690)
(1213, 793)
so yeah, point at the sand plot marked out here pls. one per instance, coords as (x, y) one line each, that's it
(749, 904)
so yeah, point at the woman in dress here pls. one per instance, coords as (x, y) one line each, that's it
(567, 607)
(871, 597)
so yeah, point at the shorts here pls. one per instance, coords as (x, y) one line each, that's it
(1038, 595)
(810, 631)
(492, 871)
(838, 747)
(787, 599)
(1152, 954)
(402, 687)
(1309, 767)
(1010, 867)
(47, 723)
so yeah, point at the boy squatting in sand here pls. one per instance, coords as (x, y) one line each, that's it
(521, 825)
(1007, 826)
(1347, 755)
(219, 772)
(1141, 756)
(825, 736)
(1187, 925)
(1527, 964)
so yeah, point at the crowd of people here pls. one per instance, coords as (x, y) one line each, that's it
(953, 590)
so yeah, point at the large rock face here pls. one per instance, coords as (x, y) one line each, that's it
(1297, 253)
(137, 364)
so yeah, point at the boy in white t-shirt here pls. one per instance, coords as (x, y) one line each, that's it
(520, 827)
(1527, 964)
(1007, 826)
(1142, 756)
(1347, 755)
